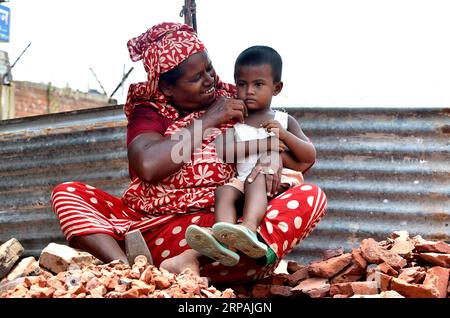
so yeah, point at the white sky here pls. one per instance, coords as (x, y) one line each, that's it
(335, 52)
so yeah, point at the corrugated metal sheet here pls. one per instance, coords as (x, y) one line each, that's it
(383, 169)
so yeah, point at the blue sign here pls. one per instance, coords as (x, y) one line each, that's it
(5, 18)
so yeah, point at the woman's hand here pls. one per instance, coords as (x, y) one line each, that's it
(223, 110)
(269, 164)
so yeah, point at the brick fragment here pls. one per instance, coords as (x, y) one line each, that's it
(436, 247)
(435, 259)
(352, 288)
(141, 287)
(261, 291)
(384, 281)
(10, 253)
(58, 258)
(402, 248)
(387, 269)
(390, 294)
(354, 271)
(11, 284)
(298, 276)
(162, 282)
(283, 291)
(366, 296)
(313, 287)
(26, 267)
(280, 279)
(413, 290)
(400, 235)
(330, 267)
(330, 253)
(293, 266)
(374, 253)
(437, 278)
(415, 274)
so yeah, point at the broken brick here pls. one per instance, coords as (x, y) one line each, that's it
(293, 266)
(374, 253)
(330, 253)
(402, 248)
(414, 274)
(436, 247)
(352, 288)
(261, 291)
(26, 267)
(284, 291)
(330, 267)
(437, 278)
(10, 253)
(299, 275)
(58, 258)
(413, 290)
(313, 287)
(435, 259)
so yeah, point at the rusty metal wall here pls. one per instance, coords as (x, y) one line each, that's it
(383, 169)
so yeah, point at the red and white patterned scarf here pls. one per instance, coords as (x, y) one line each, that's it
(162, 48)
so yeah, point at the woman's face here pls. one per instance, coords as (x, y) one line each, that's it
(195, 89)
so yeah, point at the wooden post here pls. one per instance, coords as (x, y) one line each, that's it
(189, 13)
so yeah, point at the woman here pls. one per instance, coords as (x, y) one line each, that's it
(182, 97)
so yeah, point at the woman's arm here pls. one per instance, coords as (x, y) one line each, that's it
(151, 154)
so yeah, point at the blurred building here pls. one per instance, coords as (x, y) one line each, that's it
(22, 98)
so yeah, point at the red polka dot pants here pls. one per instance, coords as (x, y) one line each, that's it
(291, 216)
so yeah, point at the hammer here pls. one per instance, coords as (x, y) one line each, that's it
(135, 245)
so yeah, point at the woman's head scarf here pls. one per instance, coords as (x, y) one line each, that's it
(161, 48)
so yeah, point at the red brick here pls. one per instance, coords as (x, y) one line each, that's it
(390, 294)
(327, 254)
(436, 247)
(402, 248)
(330, 267)
(10, 252)
(313, 287)
(359, 288)
(299, 275)
(413, 290)
(414, 274)
(261, 291)
(292, 267)
(283, 291)
(387, 269)
(435, 258)
(437, 278)
(374, 253)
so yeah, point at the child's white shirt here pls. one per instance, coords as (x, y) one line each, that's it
(244, 132)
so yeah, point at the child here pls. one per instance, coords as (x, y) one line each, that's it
(258, 79)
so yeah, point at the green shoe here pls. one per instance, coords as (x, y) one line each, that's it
(271, 256)
(203, 242)
(239, 237)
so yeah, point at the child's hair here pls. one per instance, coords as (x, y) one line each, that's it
(259, 55)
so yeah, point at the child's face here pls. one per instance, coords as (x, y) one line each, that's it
(255, 86)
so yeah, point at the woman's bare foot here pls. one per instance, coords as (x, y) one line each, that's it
(187, 259)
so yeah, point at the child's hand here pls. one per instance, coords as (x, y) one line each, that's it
(275, 127)
(282, 146)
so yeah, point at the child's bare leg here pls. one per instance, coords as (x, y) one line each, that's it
(225, 204)
(255, 202)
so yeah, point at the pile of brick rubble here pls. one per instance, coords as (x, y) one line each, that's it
(397, 267)
(63, 272)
